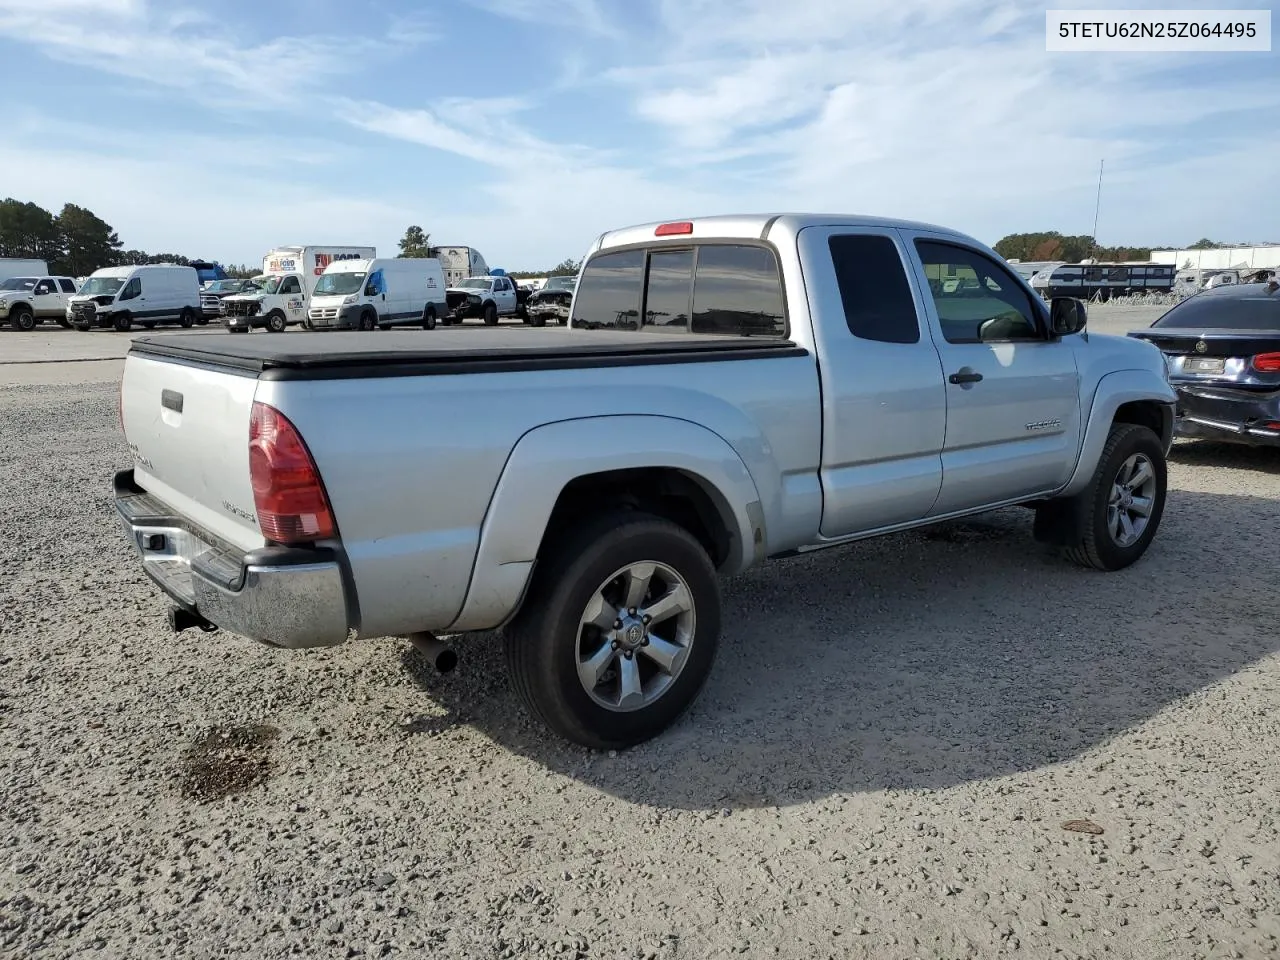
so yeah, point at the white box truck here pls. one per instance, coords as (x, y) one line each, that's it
(363, 294)
(460, 263)
(146, 294)
(280, 295)
(11, 267)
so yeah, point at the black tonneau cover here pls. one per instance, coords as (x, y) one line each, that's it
(446, 350)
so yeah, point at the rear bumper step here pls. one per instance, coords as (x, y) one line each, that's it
(282, 596)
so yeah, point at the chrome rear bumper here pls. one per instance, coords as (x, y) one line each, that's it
(282, 596)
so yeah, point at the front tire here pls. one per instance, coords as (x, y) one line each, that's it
(21, 318)
(276, 321)
(64, 323)
(148, 324)
(590, 680)
(1111, 523)
(123, 322)
(490, 314)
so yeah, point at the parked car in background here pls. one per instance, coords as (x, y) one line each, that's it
(147, 294)
(281, 294)
(551, 302)
(363, 294)
(609, 476)
(27, 301)
(1222, 347)
(212, 295)
(488, 298)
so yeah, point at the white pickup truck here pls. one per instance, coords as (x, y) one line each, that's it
(728, 390)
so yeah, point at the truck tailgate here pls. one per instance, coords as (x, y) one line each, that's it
(188, 430)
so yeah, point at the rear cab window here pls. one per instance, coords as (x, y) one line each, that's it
(732, 289)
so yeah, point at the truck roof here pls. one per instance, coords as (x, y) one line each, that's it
(756, 226)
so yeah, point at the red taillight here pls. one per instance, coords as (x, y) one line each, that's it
(290, 499)
(1267, 363)
(678, 228)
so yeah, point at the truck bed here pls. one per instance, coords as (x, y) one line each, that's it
(331, 356)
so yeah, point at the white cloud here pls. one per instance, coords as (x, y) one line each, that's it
(586, 16)
(183, 48)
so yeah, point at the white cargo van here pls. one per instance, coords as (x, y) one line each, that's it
(281, 293)
(149, 294)
(363, 294)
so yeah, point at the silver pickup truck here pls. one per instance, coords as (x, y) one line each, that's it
(728, 390)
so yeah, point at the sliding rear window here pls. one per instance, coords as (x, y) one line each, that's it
(720, 288)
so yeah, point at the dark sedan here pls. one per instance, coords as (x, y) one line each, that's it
(1223, 351)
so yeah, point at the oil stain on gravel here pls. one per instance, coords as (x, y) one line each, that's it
(227, 760)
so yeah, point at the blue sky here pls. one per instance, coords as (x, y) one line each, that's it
(527, 127)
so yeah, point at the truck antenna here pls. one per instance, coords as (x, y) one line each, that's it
(1097, 206)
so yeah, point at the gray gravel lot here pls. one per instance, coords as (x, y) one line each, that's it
(894, 735)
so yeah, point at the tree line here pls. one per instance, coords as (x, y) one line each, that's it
(1051, 245)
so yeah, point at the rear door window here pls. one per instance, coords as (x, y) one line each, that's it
(609, 293)
(68, 286)
(737, 290)
(873, 289)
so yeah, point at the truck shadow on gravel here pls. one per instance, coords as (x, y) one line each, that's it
(1209, 453)
(928, 660)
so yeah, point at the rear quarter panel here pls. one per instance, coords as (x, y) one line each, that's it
(410, 464)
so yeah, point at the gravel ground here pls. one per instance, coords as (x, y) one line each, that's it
(881, 767)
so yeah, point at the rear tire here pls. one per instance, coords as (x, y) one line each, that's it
(1111, 523)
(123, 322)
(548, 646)
(429, 318)
(186, 319)
(276, 321)
(148, 325)
(490, 314)
(21, 318)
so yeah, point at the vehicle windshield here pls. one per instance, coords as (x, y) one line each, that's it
(475, 283)
(1249, 307)
(560, 283)
(19, 283)
(225, 286)
(339, 284)
(102, 285)
(263, 284)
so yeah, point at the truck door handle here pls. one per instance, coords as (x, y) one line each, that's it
(965, 377)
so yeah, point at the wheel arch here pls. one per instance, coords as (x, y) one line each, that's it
(1141, 397)
(562, 472)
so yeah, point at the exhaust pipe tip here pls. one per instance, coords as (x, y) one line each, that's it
(439, 654)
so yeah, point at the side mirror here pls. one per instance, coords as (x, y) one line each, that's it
(1067, 315)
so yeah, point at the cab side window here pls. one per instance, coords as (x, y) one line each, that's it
(45, 287)
(132, 289)
(977, 300)
(291, 285)
(375, 285)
